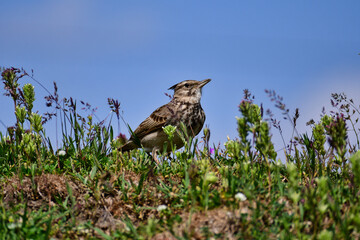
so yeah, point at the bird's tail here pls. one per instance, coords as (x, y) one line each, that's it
(128, 146)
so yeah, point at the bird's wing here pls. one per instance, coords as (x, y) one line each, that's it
(155, 121)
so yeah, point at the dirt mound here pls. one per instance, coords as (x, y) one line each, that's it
(221, 222)
(105, 207)
(52, 189)
(37, 191)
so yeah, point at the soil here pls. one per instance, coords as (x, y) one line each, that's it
(105, 208)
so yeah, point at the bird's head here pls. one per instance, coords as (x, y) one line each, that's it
(189, 90)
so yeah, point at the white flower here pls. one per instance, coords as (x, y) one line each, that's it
(240, 196)
(61, 153)
(161, 208)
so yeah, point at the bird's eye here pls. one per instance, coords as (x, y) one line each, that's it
(186, 85)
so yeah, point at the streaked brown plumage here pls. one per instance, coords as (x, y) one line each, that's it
(184, 107)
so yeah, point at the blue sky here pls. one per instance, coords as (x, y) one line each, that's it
(134, 51)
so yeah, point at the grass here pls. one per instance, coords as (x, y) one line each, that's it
(87, 189)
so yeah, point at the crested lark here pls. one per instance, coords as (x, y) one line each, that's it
(184, 107)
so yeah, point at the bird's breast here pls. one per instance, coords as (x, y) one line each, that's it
(192, 115)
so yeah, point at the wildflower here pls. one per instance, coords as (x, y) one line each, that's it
(161, 208)
(121, 138)
(240, 196)
(61, 153)
(211, 151)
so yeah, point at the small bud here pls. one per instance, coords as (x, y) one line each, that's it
(169, 130)
(325, 234)
(322, 207)
(210, 177)
(295, 197)
(35, 120)
(29, 95)
(20, 114)
(206, 132)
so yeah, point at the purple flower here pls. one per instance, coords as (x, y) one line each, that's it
(211, 151)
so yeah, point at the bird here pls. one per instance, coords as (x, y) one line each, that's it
(184, 107)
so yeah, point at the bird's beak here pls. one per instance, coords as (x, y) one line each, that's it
(204, 82)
